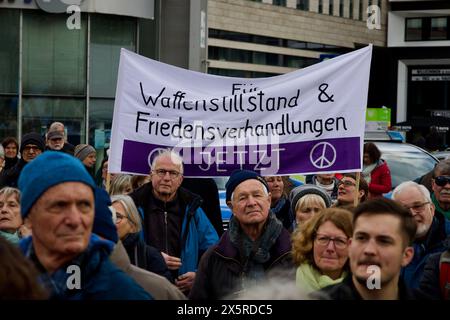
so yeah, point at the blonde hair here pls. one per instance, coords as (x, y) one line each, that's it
(119, 184)
(303, 237)
(309, 200)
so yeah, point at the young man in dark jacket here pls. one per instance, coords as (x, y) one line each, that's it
(381, 245)
(254, 245)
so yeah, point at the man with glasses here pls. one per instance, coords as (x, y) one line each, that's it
(432, 228)
(31, 146)
(174, 222)
(383, 232)
(441, 188)
(347, 191)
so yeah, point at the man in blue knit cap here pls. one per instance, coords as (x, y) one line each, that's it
(58, 200)
(254, 245)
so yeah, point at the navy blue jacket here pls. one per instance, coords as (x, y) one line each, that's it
(434, 243)
(430, 287)
(100, 279)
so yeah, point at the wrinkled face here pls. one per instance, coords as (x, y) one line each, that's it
(30, 152)
(250, 203)
(276, 186)
(56, 143)
(377, 241)
(10, 218)
(347, 190)
(421, 209)
(123, 224)
(62, 219)
(90, 160)
(11, 150)
(441, 190)
(166, 178)
(306, 212)
(330, 248)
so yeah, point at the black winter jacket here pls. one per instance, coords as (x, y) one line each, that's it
(220, 271)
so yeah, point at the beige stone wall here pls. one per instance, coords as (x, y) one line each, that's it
(288, 23)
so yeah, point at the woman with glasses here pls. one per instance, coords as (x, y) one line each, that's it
(129, 226)
(376, 171)
(320, 249)
(306, 201)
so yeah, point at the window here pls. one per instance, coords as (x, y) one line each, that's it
(9, 51)
(281, 3)
(341, 8)
(303, 5)
(9, 71)
(438, 28)
(331, 7)
(54, 57)
(361, 10)
(350, 9)
(414, 29)
(108, 35)
(320, 6)
(39, 112)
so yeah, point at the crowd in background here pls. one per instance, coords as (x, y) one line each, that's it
(161, 236)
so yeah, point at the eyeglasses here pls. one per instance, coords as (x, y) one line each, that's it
(418, 206)
(441, 181)
(346, 183)
(339, 242)
(162, 173)
(29, 148)
(120, 216)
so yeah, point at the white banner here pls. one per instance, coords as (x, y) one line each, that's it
(310, 120)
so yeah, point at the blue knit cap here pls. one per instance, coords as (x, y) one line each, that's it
(239, 176)
(47, 170)
(103, 222)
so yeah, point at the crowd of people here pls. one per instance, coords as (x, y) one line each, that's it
(69, 233)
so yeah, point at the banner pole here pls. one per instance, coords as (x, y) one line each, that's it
(108, 181)
(355, 200)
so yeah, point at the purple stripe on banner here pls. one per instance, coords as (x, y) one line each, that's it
(338, 154)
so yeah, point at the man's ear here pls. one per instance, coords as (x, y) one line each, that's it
(408, 255)
(229, 204)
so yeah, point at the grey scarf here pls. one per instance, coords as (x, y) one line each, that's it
(255, 253)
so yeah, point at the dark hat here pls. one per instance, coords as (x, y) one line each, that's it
(55, 135)
(32, 138)
(305, 189)
(239, 176)
(103, 221)
(48, 170)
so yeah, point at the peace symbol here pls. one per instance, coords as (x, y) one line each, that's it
(323, 155)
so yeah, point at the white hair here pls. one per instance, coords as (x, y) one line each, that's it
(130, 210)
(411, 184)
(174, 157)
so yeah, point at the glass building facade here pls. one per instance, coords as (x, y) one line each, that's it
(51, 73)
